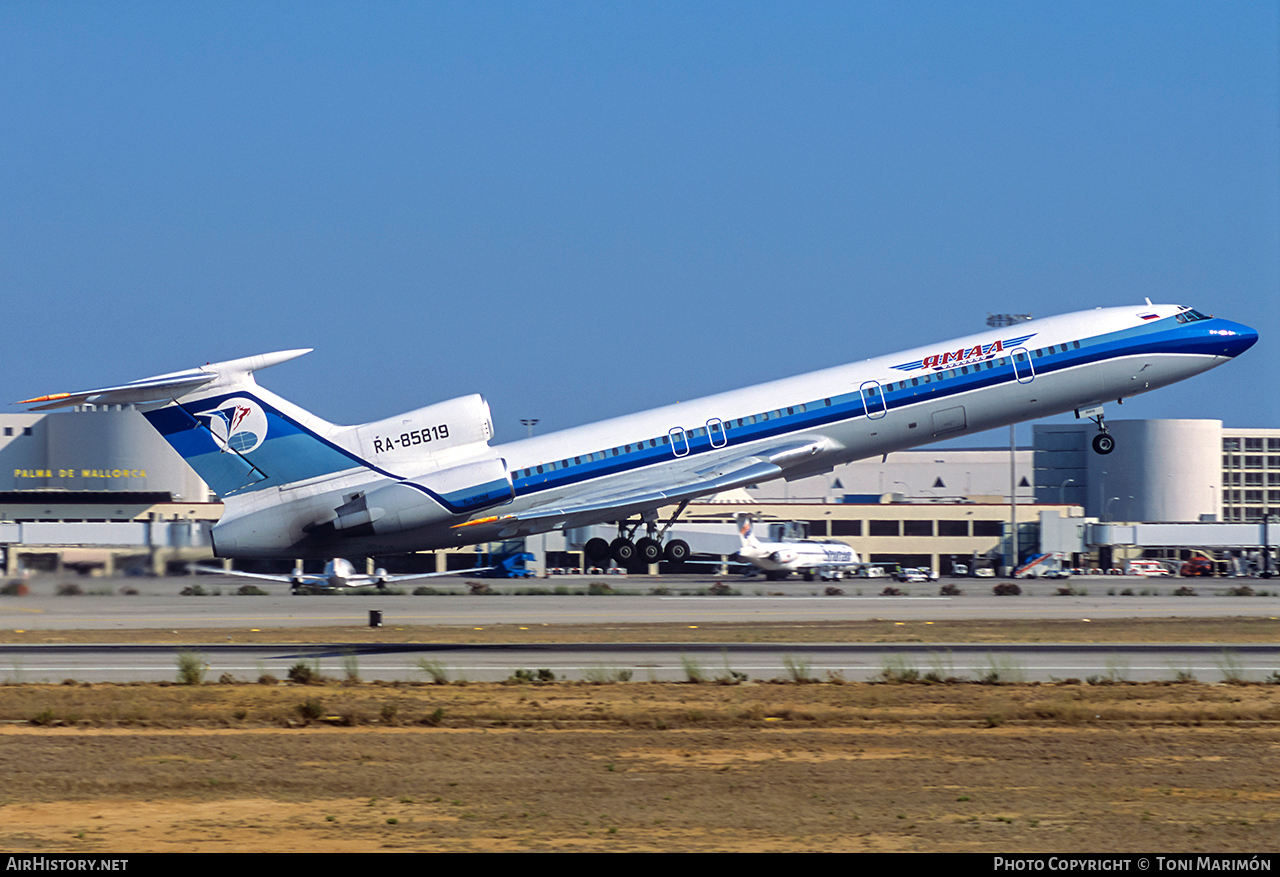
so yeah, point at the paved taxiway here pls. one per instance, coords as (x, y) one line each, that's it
(647, 662)
(158, 605)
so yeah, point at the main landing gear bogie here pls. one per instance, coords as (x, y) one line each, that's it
(643, 551)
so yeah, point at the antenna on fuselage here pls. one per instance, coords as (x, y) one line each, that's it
(1001, 321)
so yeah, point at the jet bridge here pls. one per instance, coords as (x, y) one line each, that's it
(1185, 535)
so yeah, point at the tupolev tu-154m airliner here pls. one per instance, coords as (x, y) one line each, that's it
(295, 486)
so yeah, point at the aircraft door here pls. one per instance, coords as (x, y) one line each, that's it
(679, 441)
(715, 432)
(1023, 369)
(873, 399)
(949, 420)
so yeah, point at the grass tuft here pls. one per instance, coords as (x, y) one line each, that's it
(191, 667)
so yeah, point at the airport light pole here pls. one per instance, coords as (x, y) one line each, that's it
(1266, 545)
(1002, 321)
(1062, 488)
(1013, 500)
(1106, 509)
(529, 425)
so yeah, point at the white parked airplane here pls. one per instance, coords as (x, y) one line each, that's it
(338, 573)
(826, 558)
(294, 485)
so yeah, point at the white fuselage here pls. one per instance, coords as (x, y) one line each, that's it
(798, 426)
(799, 556)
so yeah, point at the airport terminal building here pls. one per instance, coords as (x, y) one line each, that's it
(1162, 470)
(92, 450)
(97, 489)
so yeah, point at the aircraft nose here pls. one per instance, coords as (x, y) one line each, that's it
(1236, 338)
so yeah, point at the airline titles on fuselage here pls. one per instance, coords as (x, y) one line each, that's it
(962, 356)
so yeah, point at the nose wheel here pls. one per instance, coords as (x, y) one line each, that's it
(1103, 443)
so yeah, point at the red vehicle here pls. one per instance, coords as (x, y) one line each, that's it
(1198, 566)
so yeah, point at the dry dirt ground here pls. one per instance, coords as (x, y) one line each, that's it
(639, 766)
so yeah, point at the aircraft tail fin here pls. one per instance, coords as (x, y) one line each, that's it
(746, 531)
(237, 436)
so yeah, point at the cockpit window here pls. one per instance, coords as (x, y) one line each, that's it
(1191, 316)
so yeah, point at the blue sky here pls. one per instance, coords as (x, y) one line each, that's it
(586, 209)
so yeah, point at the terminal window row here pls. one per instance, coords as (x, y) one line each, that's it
(1250, 461)
(910, 528)
(1255, 443)
(1250, 497)
(1251, 479)
(1250, 513)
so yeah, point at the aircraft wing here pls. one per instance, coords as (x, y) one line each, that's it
(628, 502)
(620, 503)
(430, 575)
(358, 581)
(219, 571)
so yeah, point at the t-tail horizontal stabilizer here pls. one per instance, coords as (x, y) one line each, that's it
(169, 387)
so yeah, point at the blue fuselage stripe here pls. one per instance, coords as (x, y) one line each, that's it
(1164, 336)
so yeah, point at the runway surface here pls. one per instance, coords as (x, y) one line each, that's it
(648, 662)
(159, 605)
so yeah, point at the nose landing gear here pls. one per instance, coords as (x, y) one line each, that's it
(1103, 442)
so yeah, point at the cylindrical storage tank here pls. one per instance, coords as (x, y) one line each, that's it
(1161, 470)
(111, 449)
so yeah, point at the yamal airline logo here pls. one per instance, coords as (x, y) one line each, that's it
(238, 424)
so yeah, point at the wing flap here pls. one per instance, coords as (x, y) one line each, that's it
(761, 465)
(627, 502)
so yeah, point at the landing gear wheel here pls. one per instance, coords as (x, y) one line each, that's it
(677, 551)
(648, 550)
(622, 551)
(596, 550)
(1103, 443)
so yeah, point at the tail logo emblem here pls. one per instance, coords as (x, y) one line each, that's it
(237, 424)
